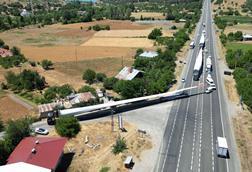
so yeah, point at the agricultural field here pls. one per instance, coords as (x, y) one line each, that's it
(245, 28)
(235, 4)
(154, 15)
(245, 46)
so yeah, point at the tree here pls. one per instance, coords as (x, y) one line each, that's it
(50, 93)
(174, 27)
(1, 124)
(87, 88)
(155, 33)
(100, 77)
(46, 64)
(16, 130)
(89, 76)
(1, 43)
(138, 52)
(119, 146)
(109, 83)
(104, 169)
(15, 51)
(5, 152)
(238, 36)
(64, 90)
(67, 126)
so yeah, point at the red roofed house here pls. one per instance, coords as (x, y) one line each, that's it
(5, 53)
(40, 151)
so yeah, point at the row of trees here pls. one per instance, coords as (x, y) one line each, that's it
(237, 36)
(26, 80)
(242, 63)
(91, 76)
(10, 61)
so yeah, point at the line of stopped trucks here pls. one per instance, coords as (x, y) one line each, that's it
(221, 142)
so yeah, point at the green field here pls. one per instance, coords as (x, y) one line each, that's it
(239, 19)
(235, 46)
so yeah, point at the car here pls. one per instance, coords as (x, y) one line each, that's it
(209, 89)
(212, 86)
(183, 80)
(41, 131)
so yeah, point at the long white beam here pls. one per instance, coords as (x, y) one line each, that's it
(80, 110)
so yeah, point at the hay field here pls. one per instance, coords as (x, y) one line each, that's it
(245, 28)
(154, 15)
(130, 33)
(119, 42)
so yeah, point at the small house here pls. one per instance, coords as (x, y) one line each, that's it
(129, 73)
(80, 98)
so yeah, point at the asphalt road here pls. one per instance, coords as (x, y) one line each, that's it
(189, 142)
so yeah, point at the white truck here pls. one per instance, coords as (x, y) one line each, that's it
(198, 66)
(208, 64)
(202, 40)
(222, 147)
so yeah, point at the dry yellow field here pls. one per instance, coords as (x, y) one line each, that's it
(130, 33)
(119, 42)
(245, 28)
(154, 15)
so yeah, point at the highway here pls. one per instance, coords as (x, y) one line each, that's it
(189, 141)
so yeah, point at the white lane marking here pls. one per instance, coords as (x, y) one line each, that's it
(217, 76)
(211, 123)
(183, 134)
(169, 141)
(188, 67)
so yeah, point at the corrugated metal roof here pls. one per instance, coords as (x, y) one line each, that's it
(127, 73)
(47, 152)
(22, 167)
(49, 107)
(149, 54)
(82, 97)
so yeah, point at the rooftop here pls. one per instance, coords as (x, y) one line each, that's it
(127, 73)
(149, 54)
(22, 167)
(40, 151)
(5, 52)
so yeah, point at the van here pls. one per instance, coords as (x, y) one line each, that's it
(209, 81)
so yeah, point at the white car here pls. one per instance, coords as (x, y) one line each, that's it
(212, 86)
(209, 89)
(183, 80)
(41, 131)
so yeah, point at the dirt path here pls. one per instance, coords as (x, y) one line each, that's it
(20, 101)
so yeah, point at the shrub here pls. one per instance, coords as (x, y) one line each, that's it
(46, 64)
(105, 169)
(87, 88)
(155, 33)
(109, 83)
(119, 146)
(100, 77)
(67, 126)
(1, 124)
(174, 27)
(89, 76)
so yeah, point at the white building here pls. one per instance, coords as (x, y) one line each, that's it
(149, 54)
(247, 37)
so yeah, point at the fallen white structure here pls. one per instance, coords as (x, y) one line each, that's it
(82, 110)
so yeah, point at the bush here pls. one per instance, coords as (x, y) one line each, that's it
(67, 126)
(174, 27)
(1, 124)
(155, 33)
(138, 52)
(87, 88)
(89, 76)
(32, 63)
(119, 146)
(46, 64)
(100, 77)
(104, 169)
(109, 83)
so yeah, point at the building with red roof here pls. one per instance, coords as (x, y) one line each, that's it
(40, 151)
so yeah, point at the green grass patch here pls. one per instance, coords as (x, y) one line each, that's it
(19, 32)
(239, 19)
(236, 46)
(32, 40)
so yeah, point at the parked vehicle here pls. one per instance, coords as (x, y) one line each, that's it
(208, 64)
(222, 147)
(41, 131)
(209, 80)
(183, 80)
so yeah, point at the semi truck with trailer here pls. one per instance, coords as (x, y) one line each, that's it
(202, 41)
(198, 66)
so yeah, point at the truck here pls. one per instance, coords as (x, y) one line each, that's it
(202, 41)
(222, 147)
(208, 64)
(198, 66)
